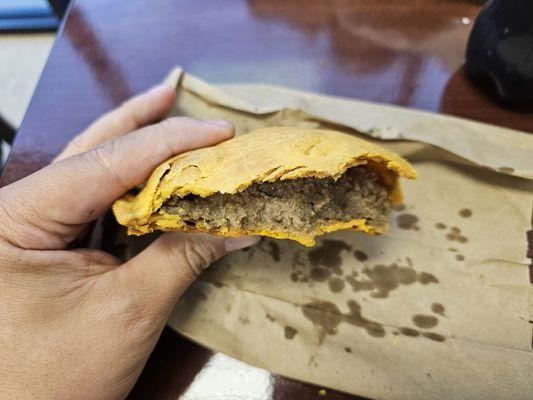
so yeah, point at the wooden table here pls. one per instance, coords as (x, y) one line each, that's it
(406, 52)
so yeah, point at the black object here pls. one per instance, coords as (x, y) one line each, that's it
(500, 50)
(7, 132)
(59, 7)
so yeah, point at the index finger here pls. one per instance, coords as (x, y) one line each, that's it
(64, 195)
(141, 110)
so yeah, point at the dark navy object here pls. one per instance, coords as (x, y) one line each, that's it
(500, 49)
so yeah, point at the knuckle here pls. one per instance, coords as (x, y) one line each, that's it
(178, 123)
(17, 223)
(76, 145)
(101, 154)
(169, 124)
(103, 157)
(198, 256)
(189, 256)
(128, 308)
(181, 120)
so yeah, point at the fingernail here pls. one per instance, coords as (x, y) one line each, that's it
(232, 244)
(219, 122)
(161, 87)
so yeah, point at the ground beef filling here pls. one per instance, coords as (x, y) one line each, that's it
(290, 205)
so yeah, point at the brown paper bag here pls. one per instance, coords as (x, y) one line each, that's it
(438, 308)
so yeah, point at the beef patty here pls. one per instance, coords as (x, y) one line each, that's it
(290, 205)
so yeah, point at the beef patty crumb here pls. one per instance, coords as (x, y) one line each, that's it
(290, 205)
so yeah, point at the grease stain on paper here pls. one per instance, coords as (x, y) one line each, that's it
(355, 317)
(409, 332)
(407, 222)
(425, 321)
(319, 274)
(290, 332)
(438, 308)
(434, 336)
(270, 318)
(360, 255)
(426, 278)
(298, 259)
(326, 316)
(454, 234)
(328, 255)
(465, 213)
(336, 284)
(274, 250)
(382, 279)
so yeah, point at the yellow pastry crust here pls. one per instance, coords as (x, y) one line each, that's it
(264, 155)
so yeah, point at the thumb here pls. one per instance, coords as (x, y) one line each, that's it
(168, 266)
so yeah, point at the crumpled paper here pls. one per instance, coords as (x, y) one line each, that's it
(438, 308)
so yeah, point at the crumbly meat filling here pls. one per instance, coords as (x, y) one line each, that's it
(290, 205)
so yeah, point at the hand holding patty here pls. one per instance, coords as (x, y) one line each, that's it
(77, 323)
